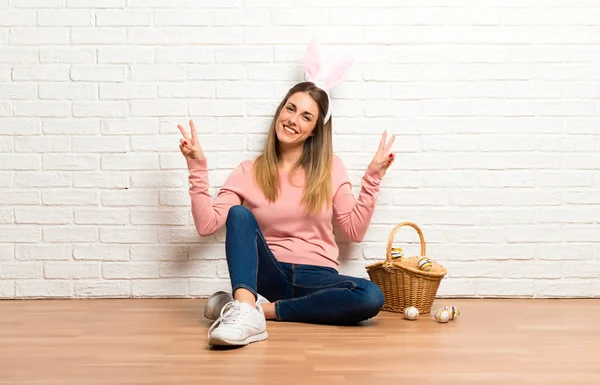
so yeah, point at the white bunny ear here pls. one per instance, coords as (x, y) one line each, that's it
(312, 61)
(337, 72)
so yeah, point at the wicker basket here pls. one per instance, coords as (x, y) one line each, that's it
(401, 280)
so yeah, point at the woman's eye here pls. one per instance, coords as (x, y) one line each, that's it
(290, 109)
(307, 118)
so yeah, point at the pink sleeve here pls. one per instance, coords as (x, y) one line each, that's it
(210, 216)
(354, 215)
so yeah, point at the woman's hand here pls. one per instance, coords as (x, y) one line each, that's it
(189, 146)
(383, 158)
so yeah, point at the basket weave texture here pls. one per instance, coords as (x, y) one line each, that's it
(401, 280)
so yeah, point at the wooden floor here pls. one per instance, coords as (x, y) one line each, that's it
(135, 341)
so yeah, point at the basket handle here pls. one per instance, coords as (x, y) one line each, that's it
(388, 255)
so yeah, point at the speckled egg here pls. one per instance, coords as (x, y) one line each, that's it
(411, 313)
(442, 315)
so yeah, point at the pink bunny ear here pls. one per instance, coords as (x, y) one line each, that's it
(312, 60)
(337, 72)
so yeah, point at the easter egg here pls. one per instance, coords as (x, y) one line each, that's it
(442, 315)
(454, 312)
(397, 252)
(424, 264)
(411, 313)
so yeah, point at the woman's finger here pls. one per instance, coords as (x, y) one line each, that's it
(389, 146)
(185, 135)
(194, 133)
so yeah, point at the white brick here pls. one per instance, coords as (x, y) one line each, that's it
(70, 197)
(7, 216)
(20, 270)
(581, 270)
(174, 198)
(65, 18)
(128, 235)
(182, 235)
(19, 162)
(44, 252)
(559, 252)
(123, 18)
(203, 269)
(17, 18)
(37, 3)
(102, 180)
(240, 90)
(102, 289)
(70, 162)
(100, 109)
(96, 4)
(158, 108)
(44, 289)
(244, 55)
(7, 252)
(182, 17)
(583, 198)
(20, 234)
(70, 234)
(132, 126)
(534, 233)
(457, 288)
(505, 288)
(7, 289)
(71, 270)
(159, 217)
(160, 288)
(205, 287)
(43, 215)
(126, 55)
(99, 73)
(567, 288)
(158, 253)
(144, 73)
(42, 109)
(76, 55)
(5, 179)
(216, 72)
(19, 197)
(532, 269)
(129, 162)
(101, 216)
(7, 144)
(72, 127)
(127, 91)
(42, 144)
(100, 145)
(97, 252)
(21, 126)
(186, 90)
(129, 198)
(18, 55)
(67, 91)
(589, 233)
(41, 179)
(184, 55)
(565, 215)
(39, 36)
(124, 270)
(217, 108)
(97, 35)
(5, 109)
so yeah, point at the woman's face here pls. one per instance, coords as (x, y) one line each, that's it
(297, 120)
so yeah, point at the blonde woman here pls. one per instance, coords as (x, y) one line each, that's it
(278, 211)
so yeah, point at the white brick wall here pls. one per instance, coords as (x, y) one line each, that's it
(496, 107)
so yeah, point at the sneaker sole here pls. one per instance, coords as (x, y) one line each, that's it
(223, 342)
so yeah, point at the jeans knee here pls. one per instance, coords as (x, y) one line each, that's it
(238, 214)
(372, 299)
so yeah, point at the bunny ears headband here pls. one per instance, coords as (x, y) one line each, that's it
(312, 68)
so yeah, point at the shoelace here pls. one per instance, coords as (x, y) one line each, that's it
(231, 313)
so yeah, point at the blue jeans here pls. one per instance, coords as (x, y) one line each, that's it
(302, 293)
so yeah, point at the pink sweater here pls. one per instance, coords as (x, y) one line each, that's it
(291, 236)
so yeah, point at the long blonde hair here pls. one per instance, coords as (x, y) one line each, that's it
(315, 160)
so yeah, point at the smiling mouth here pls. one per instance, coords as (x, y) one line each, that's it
(289, 131)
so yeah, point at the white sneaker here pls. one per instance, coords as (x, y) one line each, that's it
(239, 324)
(215, 303)
(219, 299)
